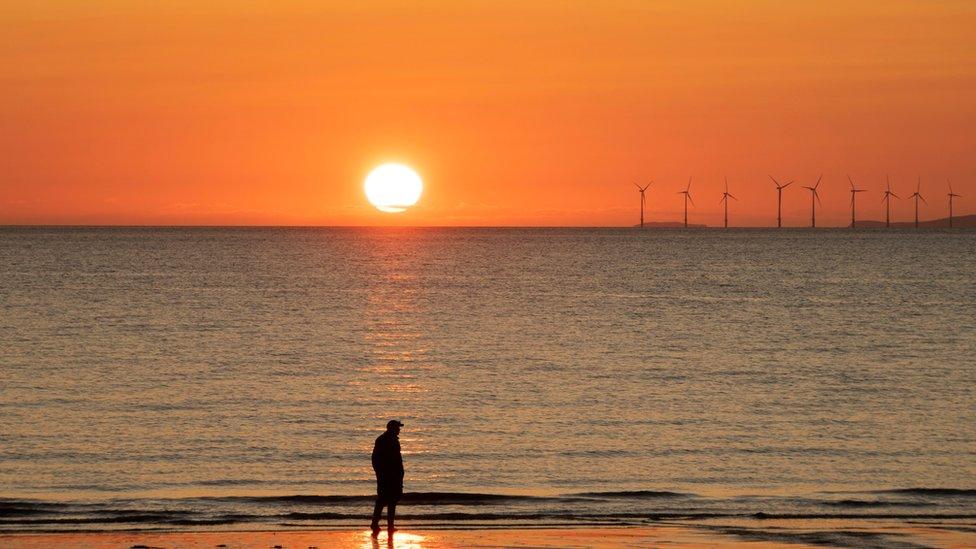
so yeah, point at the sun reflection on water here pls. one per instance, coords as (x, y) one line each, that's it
(396, 345)
(401, 540)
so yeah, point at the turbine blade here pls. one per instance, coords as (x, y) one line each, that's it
(818, 180)
(788, 184)
(774, 180)
(817, 196)
(690, 200)
(734, 198)
(851, 180)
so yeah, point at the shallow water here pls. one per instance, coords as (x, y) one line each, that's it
(188, 363)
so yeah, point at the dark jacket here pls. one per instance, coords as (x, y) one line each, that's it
(387, 461)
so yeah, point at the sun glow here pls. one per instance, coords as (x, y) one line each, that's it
(393, 188)
(402, 540)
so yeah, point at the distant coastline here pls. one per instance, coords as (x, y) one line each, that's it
(958, 222)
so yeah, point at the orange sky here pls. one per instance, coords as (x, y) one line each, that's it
(514, 113)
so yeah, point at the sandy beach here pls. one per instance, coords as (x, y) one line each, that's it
(779, 534)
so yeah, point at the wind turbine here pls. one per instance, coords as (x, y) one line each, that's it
(853, 194)
(642, 189)
(814, 198)
(725, 198)
(917, 195)
(887, 200)
(779, 200)
(951, 195)
(687, 193)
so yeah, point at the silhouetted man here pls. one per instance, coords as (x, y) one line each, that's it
(388, 465)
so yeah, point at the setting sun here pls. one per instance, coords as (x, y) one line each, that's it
(393, 188)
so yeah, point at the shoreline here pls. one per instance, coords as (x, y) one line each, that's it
(839, 533)
(874, 513)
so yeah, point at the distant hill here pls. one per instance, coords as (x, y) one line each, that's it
(669, 225)
(958, 222)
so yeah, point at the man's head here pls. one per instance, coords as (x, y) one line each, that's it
(393, 426)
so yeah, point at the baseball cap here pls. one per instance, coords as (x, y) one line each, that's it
(393, 422)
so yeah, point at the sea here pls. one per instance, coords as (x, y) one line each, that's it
(236, 378)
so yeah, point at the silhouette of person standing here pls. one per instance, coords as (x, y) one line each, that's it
(388, 466)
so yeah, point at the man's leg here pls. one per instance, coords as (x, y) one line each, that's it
(377, 512)
(391, 515)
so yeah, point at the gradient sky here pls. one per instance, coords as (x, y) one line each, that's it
(514, 113)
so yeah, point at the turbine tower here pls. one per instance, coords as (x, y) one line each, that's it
(642, 189)
(951, 196)
(814, 198)
(687, 193)
(725, 199)
(779, 200)
(887, 200)
(853, 194)
(917, 195)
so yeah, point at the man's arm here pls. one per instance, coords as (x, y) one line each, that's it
(376, 458)
(399, 462)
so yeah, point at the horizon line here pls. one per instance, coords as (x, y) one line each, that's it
(677, 226)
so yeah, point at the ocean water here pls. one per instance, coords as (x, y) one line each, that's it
(160, 377)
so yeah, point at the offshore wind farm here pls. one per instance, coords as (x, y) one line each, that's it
(951, 220)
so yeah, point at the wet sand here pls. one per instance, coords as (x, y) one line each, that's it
(784, 534)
